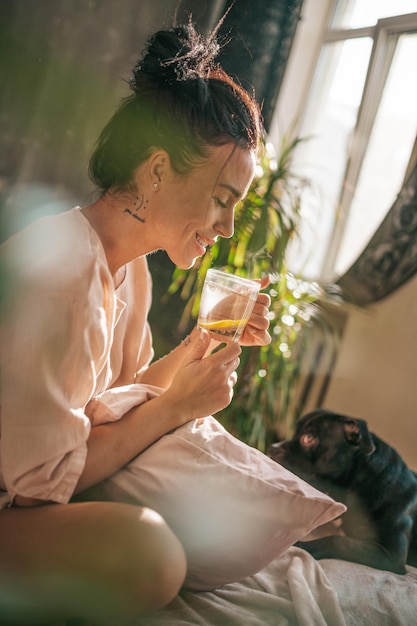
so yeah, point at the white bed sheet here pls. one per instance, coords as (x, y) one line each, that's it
(296, 590)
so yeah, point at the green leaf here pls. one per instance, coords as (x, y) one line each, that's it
(266, 221)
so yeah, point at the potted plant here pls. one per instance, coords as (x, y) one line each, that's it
(266, 221)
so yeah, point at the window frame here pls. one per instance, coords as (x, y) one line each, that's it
(385, 35)
(314, 32)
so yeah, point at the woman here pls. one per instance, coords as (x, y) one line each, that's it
(171, 164)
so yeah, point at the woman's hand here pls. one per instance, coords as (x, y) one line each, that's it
(204, 386)
(200, 387)
(256, 331)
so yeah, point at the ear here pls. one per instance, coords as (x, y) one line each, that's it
(158, 167)
(357, 434)
(306, 419)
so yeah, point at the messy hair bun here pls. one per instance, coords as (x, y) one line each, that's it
(182, 102)
(177, 55)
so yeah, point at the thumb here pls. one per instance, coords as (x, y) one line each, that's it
(200, 342)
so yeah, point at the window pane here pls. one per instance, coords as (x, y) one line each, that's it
(329, 121)
(360, 13)
(387, 156)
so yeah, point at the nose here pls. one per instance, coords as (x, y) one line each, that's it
(277, 451)
(226, 227)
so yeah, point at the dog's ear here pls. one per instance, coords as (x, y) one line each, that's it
(357, 434)
(307, 418)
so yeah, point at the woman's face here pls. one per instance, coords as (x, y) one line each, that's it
(196, 208)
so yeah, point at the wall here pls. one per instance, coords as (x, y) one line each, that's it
(64, 65)
(376, 372)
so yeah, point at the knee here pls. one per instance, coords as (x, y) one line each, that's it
(105, 561)
(151, 563)
(164, 562)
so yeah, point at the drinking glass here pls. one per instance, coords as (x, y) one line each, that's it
(226, 304)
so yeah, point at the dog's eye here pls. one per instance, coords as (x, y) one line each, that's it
(308, 439)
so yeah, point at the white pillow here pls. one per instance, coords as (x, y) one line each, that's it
(232, 507)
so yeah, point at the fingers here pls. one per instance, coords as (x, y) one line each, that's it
(263, 300)
(232, 379)
(225, 364)
(265, 280)
(256, 331)
(226, 355)
(255, 337)
(216, 378)
(231, 367)
(259, 319)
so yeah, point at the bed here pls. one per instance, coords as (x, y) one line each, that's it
(296, 590)
(238, 515)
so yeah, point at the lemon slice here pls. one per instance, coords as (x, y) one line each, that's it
(222, 324)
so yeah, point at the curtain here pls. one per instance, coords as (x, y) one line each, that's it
(390, 258)
(260, 38)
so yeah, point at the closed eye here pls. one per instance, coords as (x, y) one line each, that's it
(221, 204)
(307, 440)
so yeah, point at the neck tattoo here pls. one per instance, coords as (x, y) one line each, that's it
(139, 204)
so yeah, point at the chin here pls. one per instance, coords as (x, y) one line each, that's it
(186, 266)
(181, 263)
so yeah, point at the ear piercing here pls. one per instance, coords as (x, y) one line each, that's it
(155, 185)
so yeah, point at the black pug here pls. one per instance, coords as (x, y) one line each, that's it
(338, 455)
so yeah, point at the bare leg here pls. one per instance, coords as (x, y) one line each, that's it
(101, 560)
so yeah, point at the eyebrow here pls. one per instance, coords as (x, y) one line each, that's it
(235, 192)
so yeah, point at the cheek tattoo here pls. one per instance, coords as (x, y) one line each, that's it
(138, 204)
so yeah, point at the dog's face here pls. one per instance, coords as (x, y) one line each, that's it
(325, 445)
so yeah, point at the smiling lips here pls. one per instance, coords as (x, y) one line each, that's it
(203, 242)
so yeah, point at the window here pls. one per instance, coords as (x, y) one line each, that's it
(360, 124)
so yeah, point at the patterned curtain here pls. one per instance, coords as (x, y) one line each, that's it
(390, 258)
(260, 37)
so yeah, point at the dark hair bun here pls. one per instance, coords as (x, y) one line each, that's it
(176, 55)
(183, 102)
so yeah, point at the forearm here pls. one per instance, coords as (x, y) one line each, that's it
(200, 387)
(111, 446)
(161, 372)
